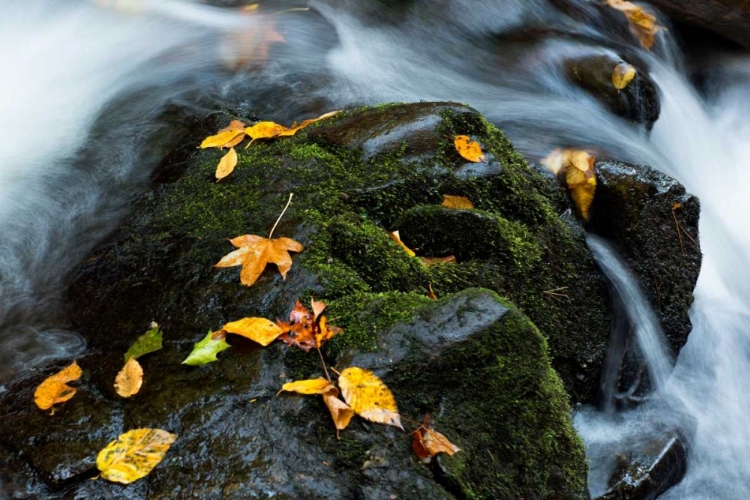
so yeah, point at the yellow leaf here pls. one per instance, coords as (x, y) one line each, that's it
(395, 236)
(128, 382)
(369, 397)
(469, 149)
(255, 252)
(642, 24)
(265, 130)
(459, 202)
(313, 386)
(227, 164)
(341, 413)
(258, 330)
(54, 389)
(578, 167)
(134, 454)
(622, 75)
(220, 139)
(431, 261)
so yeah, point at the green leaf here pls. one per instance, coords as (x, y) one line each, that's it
(206, 350)
(150, 341)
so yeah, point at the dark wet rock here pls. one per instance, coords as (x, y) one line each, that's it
(638, 102)
(648, 472)
(472, 360)
(238, 440)
(655, 223)
(727, 18)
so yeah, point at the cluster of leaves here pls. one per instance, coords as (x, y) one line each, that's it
(236, 132)
(577, 167)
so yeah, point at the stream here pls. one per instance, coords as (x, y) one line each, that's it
(84, 124)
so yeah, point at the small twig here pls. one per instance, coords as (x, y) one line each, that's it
(553, 293)
(324, 363)
(688, 235)
(677, 226)
(280, 216)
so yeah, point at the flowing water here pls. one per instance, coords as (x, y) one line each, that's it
(85, 95)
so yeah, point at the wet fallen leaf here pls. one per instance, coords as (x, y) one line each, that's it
(432, 293)
(270, 130)
(256, 252)
(395, 236)
(622, 75)
(369, 397)
(226, 164)
(258, 330)
(341, 413)
(149, 342)
(459, 202)
(427, 442)
(55, 389)
(222, 138)
(578, 168)
(642, 23)
(128, 382)
(324, 333)
(205, 351)
(314, 386)
(134, 454)
(469, 149)
(431, 261)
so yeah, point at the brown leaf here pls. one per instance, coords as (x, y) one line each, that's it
(642, 24)
(128, 382)
(458, 202)
(369, 397)
(256, 252)
(324, 332)
(340, 412)
(227, 164)
(432, 293)
(54, 389)
(469, 149)
(427, 442)
(258, 330)
(306, 329)
(395, 236)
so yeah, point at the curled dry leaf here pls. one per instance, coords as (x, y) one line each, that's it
(427, 442)
(469, 149)
(205, 351)
(459, 202)
(307, 329)
(128, 382)
(258, 330)
(369, 397)
(134, 454)
(55, 389)
(622, 75)
(256, 252)
(149, 342)
(341, 413)
(227, 164)
(578, 168)
(642, 24)
(396, 237)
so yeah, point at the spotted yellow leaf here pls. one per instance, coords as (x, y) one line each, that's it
(369, 397)
(55, 389)
(134, 454)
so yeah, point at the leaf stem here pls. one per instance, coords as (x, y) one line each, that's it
(324, 363)
(280, 216)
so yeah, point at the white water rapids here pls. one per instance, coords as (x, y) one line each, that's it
(67, 63)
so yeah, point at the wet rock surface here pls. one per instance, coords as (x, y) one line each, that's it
(472, 360)
(728, 18)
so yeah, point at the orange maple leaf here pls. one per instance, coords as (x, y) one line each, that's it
(307, 329)
(256, 252)
(427, 442)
